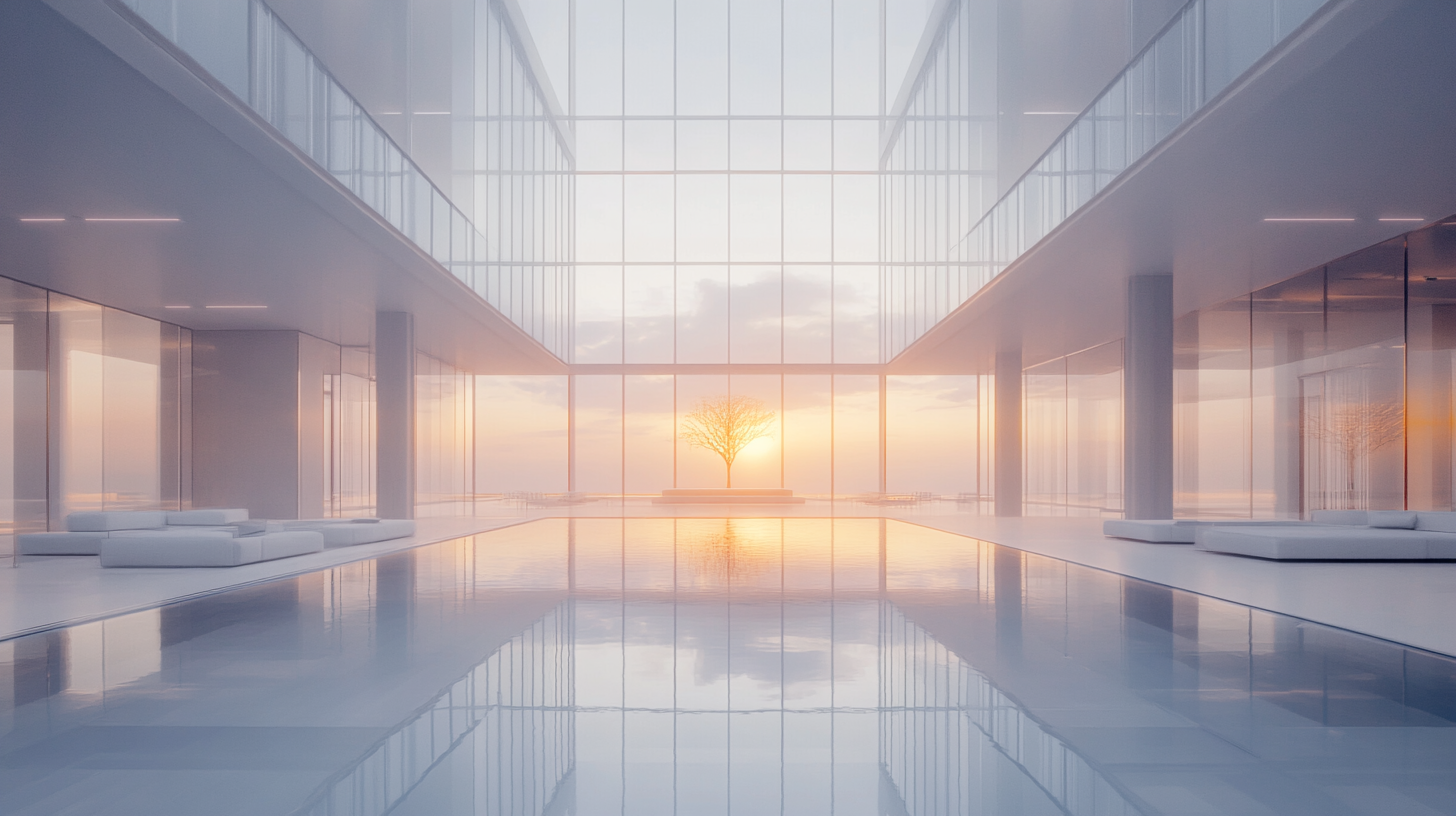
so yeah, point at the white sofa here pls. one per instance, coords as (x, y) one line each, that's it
(86, 531)
(1341, 535)
(202, 538)
(352, 532)
(204, 547)
(1169, 531)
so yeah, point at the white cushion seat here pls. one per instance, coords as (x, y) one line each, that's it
(208, 517)
(1318, 542)
(204, 548)
(1170, 531)
(67, 543)
(352, 532)
(108, 520)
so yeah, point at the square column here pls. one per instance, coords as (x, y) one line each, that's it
(1147, 403)
(394, 382)
(1008, 432)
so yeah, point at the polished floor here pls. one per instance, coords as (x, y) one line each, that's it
(717, 666)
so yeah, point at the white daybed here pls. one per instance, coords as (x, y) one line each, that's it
(352, 532)
(1169, 531)
(204, 547)
(202, 538)
(1342, 535)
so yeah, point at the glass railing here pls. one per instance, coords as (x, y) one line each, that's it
(249, 50)
(1205, 47)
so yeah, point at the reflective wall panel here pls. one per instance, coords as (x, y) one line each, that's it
(119, 387)
(444, 439)
(1073, 436)
(23, 317)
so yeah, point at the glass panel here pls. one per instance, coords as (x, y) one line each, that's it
(702, 58)
(808, 434)
(599, 315)
(1212, 432)
(1430, 366)
(807, 315)
(755, 220)
(520, 442)
(756, 42)
(756, 328)
(648, 425)
(856, 432)
(22, 413)
(931, 435)
(648, 320)
(648, 81)
(702, 314)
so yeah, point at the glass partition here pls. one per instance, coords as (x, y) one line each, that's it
(22, 412)
(1072, 431)
(444, 439)
(120, 400)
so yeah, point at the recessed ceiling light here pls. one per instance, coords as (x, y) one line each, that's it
(135, 220)
(233, 306)
(1316, 220)
(47, 220)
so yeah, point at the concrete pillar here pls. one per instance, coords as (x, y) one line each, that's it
(246, 424)
(1147, 378)
(394, 382)
(1008, 433)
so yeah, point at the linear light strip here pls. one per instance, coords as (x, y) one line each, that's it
(235, 307)
(135, 220)
(41, 220)
(1311, 220)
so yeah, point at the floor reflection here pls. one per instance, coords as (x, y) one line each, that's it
(711, 666)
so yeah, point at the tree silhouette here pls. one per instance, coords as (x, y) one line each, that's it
(725, 425)
(1357, 429)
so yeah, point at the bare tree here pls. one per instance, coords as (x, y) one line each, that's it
(1356, 429)
(725, 425)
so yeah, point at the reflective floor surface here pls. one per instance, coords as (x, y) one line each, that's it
(710, 666)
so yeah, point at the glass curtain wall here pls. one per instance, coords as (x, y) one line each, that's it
(824, 441)
(1430, 365)
(939, 432)
(727, 160)
(458, 147)
(1296, 397)
(1072, 431)
(339, 448)
(1201, 50)
(120, 408)
(520, 436)
(444, 439)
(938, 178)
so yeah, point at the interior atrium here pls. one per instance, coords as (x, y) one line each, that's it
(894, 407)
